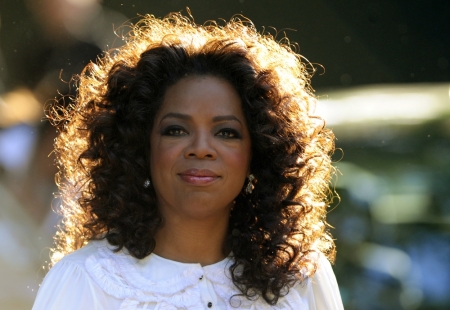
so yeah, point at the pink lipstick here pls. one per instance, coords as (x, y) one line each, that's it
(198, 177)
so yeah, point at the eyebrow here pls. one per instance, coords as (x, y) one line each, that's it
(222, 118)
(215, 119)
(176, 115)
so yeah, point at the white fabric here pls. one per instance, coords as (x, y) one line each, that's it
(96, 278)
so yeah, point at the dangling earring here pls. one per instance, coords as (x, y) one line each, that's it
(249, 188)
(147, 183)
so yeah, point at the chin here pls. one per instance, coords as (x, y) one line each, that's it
(205, 210)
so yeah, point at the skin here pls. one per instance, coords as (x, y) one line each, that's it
(200, 156)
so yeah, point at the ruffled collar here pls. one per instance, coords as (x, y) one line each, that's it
(156, 279)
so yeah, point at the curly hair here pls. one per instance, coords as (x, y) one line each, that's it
(103, 163)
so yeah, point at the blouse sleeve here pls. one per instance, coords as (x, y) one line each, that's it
(68, 286)
(325, 288)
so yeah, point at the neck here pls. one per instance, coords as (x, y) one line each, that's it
(192, 240)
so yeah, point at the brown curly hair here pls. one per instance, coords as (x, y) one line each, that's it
(103, 163)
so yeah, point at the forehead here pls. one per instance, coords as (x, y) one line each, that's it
(202, 95)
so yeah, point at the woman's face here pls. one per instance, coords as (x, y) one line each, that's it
(200, 148)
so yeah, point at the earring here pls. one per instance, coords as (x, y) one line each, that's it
(249, 188)
(147, 183)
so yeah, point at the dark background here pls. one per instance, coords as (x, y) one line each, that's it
(373, 41)
(396, 258)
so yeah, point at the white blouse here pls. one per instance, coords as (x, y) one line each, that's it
(96, 278)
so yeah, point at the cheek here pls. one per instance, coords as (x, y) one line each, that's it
(238, 169)
(162, 159)
(158, 158)
(239, 161)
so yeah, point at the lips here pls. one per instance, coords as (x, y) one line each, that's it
(198, 176)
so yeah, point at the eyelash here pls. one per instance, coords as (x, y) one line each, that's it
(169, 131)
(226, 133)
(232, 134)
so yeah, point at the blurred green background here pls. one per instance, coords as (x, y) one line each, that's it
(383, 83)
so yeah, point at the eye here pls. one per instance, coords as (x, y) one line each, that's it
(229, 133)
(174, 131)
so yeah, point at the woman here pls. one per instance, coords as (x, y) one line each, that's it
(193, 176)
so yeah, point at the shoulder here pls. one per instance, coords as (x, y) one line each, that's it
(321, 291)
(75, 262)
(72, 264)
(69, 286)
(79, 256)
(317, 292)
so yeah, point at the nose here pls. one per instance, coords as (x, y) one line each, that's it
(201, 146)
